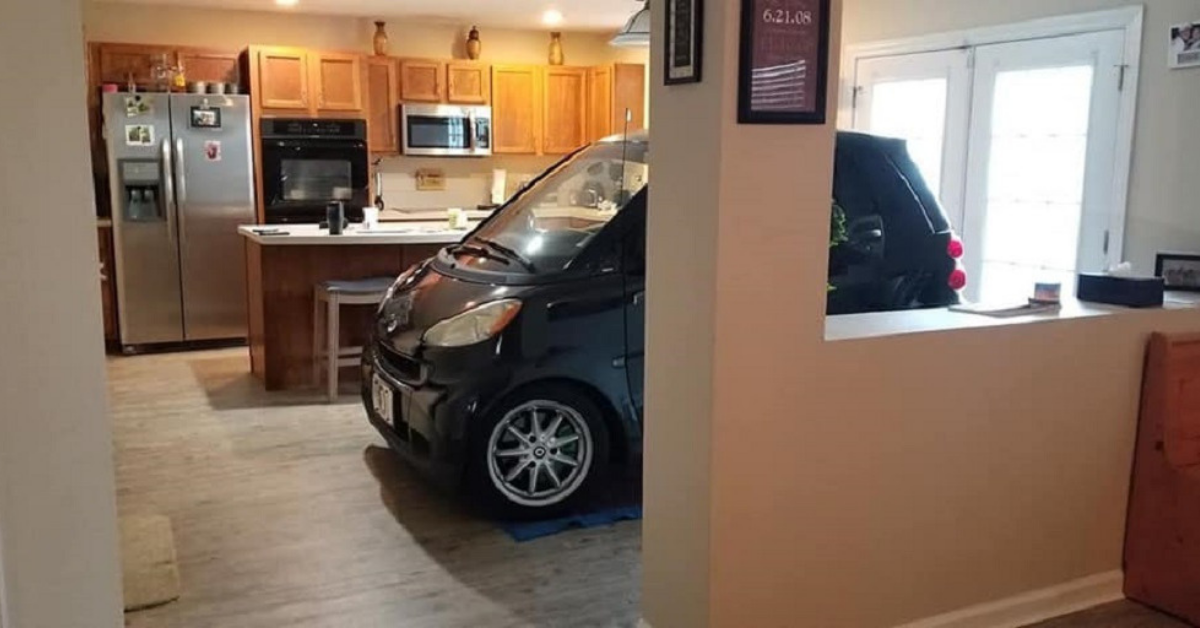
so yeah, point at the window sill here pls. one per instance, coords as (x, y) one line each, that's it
(881, 324)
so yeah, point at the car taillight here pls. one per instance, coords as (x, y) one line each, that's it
(955, 248)
(957, 279)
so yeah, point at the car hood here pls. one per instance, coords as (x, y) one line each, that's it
(426, 298)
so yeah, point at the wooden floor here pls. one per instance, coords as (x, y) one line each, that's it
(288, 512)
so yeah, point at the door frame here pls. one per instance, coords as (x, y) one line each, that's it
(1128, 19)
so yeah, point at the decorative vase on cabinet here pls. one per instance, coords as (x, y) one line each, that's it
(556, 49)
(474, 46)
(381, 39)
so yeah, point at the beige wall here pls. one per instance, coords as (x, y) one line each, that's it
(468, 181)
(1164, 197)
(793, 482)
(57, 495)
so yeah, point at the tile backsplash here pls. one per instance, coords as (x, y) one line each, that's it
(468, 180)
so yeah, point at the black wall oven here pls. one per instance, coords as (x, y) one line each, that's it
(308, 163)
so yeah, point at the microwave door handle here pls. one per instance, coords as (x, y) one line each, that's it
(471, 133)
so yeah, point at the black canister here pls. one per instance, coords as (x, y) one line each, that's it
(335, 217)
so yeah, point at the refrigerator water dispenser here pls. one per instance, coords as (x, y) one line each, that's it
(141, 190)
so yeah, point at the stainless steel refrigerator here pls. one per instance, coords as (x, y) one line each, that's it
(181, 178)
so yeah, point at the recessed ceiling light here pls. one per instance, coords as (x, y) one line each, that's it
(552, 17)
(286, 3)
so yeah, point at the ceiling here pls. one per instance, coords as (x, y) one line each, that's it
(592, 15)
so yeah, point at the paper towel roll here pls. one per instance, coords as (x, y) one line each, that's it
(499, 185)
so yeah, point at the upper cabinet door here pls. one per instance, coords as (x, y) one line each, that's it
(421, 81)
(283, 78)
(382, 100)
(468, 83)
(338, 79)
(516, 109)
(211, 67)
(121, 63)
(629, 94)
(566, 122)
(600, 102)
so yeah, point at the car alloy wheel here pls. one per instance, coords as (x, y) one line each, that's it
(540, 453)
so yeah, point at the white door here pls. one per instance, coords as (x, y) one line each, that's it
(925, 99)
(1042, 158)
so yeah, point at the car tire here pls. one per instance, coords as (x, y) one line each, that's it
(538, 454)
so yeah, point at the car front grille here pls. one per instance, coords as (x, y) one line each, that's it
(403, 367)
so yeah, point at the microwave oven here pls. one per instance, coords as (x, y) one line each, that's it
(446, 130)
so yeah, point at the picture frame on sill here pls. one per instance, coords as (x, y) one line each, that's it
(1181, 271)
(783, 62)
(685, 41)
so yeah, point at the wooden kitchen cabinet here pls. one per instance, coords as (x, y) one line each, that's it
(615, 89)
(337, 79)
(210, 66)
(565, 117)
(382, 99)
(468, 83)
(283, 75)
(108, 283)
(421, 80)
(516, 109)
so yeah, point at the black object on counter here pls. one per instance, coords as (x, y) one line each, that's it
(1127, 291)
(335, 217)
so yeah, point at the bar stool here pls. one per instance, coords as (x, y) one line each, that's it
(335, 294)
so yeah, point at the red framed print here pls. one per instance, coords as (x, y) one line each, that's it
(784, 62)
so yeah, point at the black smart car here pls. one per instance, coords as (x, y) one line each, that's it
(513, 361)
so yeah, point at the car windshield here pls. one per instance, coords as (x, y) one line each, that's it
(546, 228)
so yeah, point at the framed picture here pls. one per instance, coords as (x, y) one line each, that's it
(784, 62)
(685, 38)
(1181, 271)
(206, 118)
(1185, 45)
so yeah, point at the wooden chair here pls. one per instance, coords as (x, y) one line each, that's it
(1162, 539)
(328, 354)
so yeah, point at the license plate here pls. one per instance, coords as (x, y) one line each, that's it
(383, 399)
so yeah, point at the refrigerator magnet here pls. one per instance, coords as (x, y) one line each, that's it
(139, 135)
(212, 150)
(206, 118)
(137, 106)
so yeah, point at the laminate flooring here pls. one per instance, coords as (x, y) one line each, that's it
(290, 512)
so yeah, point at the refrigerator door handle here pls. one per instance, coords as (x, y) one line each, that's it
(180, 177)
(168, 189)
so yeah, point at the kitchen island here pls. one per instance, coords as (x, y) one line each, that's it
(284, 269)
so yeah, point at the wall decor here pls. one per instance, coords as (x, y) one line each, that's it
(784, 62)
(1181, 271)
(685, 41)
(379, 42)
(556, 48)
(1185, 45)
(474, 44)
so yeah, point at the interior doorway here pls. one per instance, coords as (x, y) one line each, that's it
(1022, 136)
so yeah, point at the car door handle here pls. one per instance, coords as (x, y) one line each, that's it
(639, 297)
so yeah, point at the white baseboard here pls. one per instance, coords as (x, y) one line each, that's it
(1035, 606)
(1027, 608)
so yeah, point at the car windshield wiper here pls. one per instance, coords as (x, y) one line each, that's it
(509, 253)
(479, 251)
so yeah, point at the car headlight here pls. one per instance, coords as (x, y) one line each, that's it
(474, 325)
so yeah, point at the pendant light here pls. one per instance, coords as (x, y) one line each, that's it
(636, 33)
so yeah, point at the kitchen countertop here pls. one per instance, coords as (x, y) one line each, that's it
(410, 233)
(429, 215)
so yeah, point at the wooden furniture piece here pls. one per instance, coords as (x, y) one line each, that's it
(328, 353)
(281, 272)
(421, 80)
(468, 83)
(517, 109)
(337, 78)
(297, 82)
(565, 119)
(108, 283)
(124, 63)
(382, 101)
(613, 90)
(1162, 543)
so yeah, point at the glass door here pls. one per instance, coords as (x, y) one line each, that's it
(925, 99)
(1042, 156)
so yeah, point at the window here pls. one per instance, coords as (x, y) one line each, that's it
(1021, 141)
